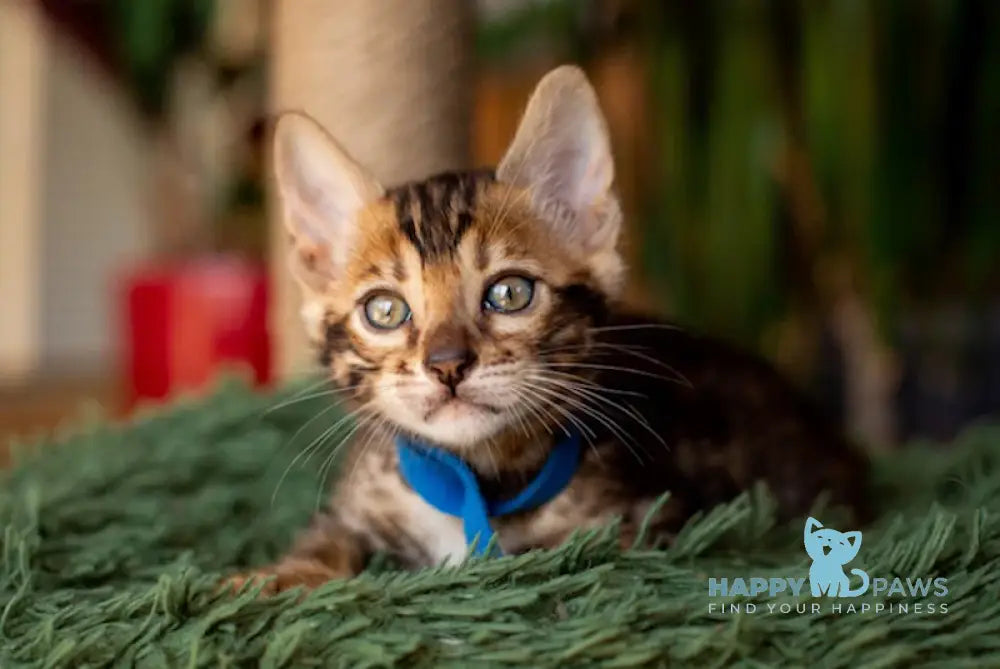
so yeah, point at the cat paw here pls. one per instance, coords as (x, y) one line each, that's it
(287, 575)
(238, 582)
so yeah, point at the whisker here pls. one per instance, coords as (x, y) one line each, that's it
(359, 457)
(585, 345)
(614, 368)
(296, 400)
(583, 387)
(627, 349)
(518, 412)
(329, 460)
(636, 351)
(534, 391)
(576, 378)
(513, 411)
(313, 386)
(360, 423)
(635, 326)
(594, 412)
(626, 409)
(493, 457)
(588, 434)
(588, 409)
(314, 444)
(537, 414)
(309, 422)
(344, 420)
(337, 391)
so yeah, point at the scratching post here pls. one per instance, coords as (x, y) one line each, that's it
(390, 80)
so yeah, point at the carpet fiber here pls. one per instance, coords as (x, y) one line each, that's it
(113, 540)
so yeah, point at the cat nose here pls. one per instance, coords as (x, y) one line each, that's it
(448, 354)
(450, 365)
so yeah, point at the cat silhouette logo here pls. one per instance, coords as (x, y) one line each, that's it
(830, 550)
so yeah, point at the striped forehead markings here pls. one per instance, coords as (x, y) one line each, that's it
(434, 215)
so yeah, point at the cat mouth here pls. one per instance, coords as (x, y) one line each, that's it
(827, 550)
(458, 404)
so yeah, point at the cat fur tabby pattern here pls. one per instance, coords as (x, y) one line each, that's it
(480, 312)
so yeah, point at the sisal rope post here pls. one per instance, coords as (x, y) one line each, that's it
(391, 81)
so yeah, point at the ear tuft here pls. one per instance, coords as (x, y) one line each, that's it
(562, 154)
(322, 190)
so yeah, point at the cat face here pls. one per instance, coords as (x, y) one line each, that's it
(450, 306)
(828, 545)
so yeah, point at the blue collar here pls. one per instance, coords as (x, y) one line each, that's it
(448, 484)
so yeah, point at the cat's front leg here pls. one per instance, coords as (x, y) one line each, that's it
(327, 550)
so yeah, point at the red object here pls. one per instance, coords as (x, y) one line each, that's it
(186, 322)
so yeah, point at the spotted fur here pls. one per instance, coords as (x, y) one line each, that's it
(660, 409)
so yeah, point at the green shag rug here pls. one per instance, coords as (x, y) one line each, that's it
(113, 541)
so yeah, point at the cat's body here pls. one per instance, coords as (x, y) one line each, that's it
(478, 313)
(725, 419)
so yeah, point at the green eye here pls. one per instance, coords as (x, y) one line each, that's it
(509, 294)
(386, 311)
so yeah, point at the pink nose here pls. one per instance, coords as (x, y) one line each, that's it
(449, 364)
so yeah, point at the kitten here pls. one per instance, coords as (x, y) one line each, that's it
(476, 313)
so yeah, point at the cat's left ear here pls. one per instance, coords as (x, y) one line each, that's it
(322, 191)
(561, 154)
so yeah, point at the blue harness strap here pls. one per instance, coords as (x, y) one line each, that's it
(448, 484)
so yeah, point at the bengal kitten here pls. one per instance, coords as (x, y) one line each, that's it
(477, 312)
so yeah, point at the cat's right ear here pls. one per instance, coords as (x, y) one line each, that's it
(561, 153)
(812, 524)
(322, 190)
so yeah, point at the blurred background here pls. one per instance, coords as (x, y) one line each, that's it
(818, 180)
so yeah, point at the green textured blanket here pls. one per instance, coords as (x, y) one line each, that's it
(114, 539)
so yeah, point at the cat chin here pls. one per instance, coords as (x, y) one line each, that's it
(458, 427)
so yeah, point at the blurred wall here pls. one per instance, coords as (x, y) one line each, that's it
(22, 62)
(95, 209)
(74, 201)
